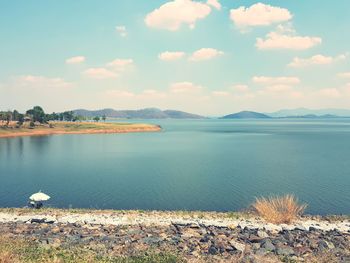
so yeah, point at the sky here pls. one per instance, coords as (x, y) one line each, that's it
(209, 57)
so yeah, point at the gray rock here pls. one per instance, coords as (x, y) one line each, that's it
(151, 240)
(300, 228)
(324, 245)
(255, 246)
(285, 251)
(313, 229)
(261, 252)
(267, 245)
(212, 250)
(238, 246)
(37, 220)
(262, 234)
(249, 259)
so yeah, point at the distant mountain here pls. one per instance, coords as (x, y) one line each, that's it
(312, 116)
(303, 112)
(246, 115)
(149, 113)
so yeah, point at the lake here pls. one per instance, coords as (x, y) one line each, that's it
(219, 165)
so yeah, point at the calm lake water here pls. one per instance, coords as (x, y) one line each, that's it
(193, 164)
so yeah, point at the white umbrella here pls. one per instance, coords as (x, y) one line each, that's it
(38, 197)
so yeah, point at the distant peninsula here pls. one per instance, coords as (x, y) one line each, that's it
(35, 122)
(75, 128)
(246, 115)
(148, 113)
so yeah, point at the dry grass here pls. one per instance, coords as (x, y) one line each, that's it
(280, 209)
(14, 250)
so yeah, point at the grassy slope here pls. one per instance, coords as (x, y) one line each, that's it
(19, 251)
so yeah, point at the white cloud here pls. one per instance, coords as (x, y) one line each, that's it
(214, 3)
(151, 93)
(315, 60)
(205, 54)
(259, 15)
(275, 40)
(42, 82)
(120, 64)
(276, 80)
(240, 88)
(75, 60)
(181, 87)
(285, 28)
(344, 75)
(220, 93)
(121, 30)
(145, 94)
(172, 15)
(171, 56)
(113, 69)
(279, 88)
(119, 94)
(330, 92)
(100, 73)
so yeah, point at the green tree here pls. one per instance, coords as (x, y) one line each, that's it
(68, 115)
(37, 114)
(20, 120)
(104, 118)
(97, 118)
(2, 116)
(8, 117)
(15, 115)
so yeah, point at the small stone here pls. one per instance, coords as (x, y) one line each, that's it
(267, 245)
(255, 246)
(285, 251)
(38, 221)
(262, 234)
(300, 228)
(151, 240)
(238, 246)
(323, 245)
(249, 259)
(261, 252)
(313, 229)
(212, 250)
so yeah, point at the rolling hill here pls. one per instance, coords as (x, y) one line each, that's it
(246, 115)
(148, 113)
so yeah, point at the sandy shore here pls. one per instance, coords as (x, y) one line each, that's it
(60, 128)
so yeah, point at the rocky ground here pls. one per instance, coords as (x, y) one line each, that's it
(196, 238)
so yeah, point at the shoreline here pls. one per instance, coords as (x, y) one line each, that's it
(191, 236)
(134, 217)
(68, 128)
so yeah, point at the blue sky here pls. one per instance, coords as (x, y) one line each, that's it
(211, 58)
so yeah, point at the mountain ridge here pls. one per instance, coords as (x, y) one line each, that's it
(246, 115)
(146, 113)
(299, 112)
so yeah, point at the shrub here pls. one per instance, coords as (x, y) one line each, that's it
(279, 209)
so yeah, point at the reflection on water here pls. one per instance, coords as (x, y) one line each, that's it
(198, 165)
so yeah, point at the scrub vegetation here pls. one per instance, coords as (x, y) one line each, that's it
(279, 209)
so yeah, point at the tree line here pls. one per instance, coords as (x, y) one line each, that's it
(37, 114)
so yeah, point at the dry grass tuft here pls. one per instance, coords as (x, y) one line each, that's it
(280, 209)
